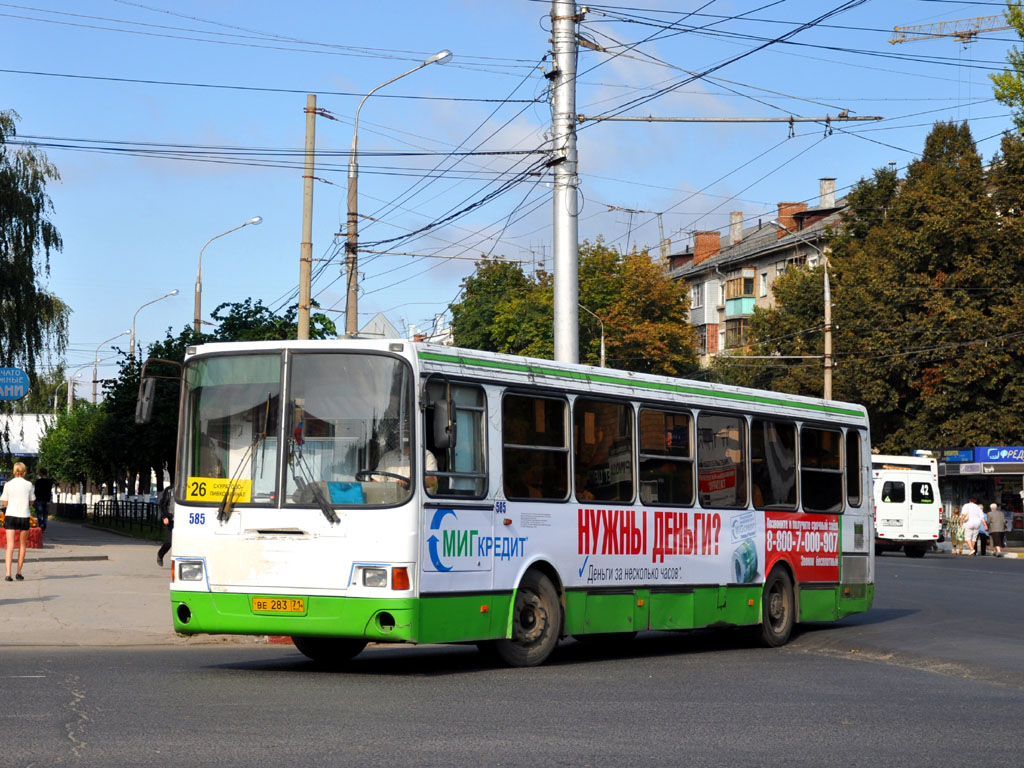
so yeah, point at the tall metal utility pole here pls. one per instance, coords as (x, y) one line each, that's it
(565, 199)
(306, 249)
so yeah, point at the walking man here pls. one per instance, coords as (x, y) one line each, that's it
(44, 495)
(165, 508)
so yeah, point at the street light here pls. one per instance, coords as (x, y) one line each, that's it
(602, 329)
(199, 273)
(71, 385)
(827, 386)
(96, 360)
(352, 228)
(56, 390)
(154, 301)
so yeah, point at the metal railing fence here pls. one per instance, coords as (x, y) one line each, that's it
(130, 515)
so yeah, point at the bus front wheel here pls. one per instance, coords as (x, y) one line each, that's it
(778, 609)
(328, 650)
(536, 623)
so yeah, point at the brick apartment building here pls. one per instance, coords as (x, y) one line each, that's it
(728, 280)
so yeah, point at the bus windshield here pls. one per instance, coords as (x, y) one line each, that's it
(346, 429)
(349, 429)
(231, 421)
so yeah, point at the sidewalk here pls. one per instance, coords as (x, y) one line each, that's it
(88, 586)
(947, 548)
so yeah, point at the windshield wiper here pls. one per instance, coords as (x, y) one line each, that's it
(227, 503)
(295, 452)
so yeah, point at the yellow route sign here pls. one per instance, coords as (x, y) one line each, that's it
(216, 488)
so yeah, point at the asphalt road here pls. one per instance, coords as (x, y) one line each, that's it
(923, 679)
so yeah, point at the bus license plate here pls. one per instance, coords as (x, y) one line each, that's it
(279, 604)
(895, 523)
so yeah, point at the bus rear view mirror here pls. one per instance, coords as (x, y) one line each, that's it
(144, 404)
(444, 428)
(147, 389)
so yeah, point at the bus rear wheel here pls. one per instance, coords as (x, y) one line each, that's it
(536, 623)
(328, 650)
(778, 609)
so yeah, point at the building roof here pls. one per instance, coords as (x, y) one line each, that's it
(761, 239)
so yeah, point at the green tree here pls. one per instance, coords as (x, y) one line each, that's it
(927, 322)
(1009, 84)
(644, 313)
(791, 331)
(252, 321)
(71, 450)
(31, 319)
(495, 281)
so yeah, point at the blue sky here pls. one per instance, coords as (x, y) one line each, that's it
(172, 122)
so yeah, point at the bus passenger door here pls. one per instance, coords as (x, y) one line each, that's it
(457, 544)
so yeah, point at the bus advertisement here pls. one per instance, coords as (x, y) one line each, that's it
(353, 491)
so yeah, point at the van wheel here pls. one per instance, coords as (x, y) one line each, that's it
(536, 623)
(778, 609)
(328, 650)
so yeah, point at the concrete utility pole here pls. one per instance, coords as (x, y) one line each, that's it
(306, 249)
(565, 199)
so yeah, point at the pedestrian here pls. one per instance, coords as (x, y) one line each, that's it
(955, 527)
(17, 496)
(997, 528)
(983, 534)
(974, 519)
(165, 508)
(44, 495)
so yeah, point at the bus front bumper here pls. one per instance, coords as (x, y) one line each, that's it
(377, 620)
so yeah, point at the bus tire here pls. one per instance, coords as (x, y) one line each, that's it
(778, 609)
(536, 623)
(328, 650)
(910, 551)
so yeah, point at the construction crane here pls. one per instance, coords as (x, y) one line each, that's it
(964, 30)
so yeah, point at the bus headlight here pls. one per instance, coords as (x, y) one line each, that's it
(375, 577)
(190, 570)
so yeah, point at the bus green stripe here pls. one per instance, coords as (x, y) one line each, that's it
(601, 378)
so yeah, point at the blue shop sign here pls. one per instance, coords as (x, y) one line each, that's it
(13, 384)
(963, 456)
(1002, 454)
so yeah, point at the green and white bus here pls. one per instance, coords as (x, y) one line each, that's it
(354, 491)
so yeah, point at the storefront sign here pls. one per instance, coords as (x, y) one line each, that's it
(963, 455)
(13, 384)
(1000, 454)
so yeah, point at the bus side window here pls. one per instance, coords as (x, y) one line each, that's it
(666, 458)
(535, 448)
(722, 460)
(602, 450)
(821, 473)
(461, 467)
(773, 464)
(853, 468)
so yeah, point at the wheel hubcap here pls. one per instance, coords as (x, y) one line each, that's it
(776, 609)
(531, 618)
